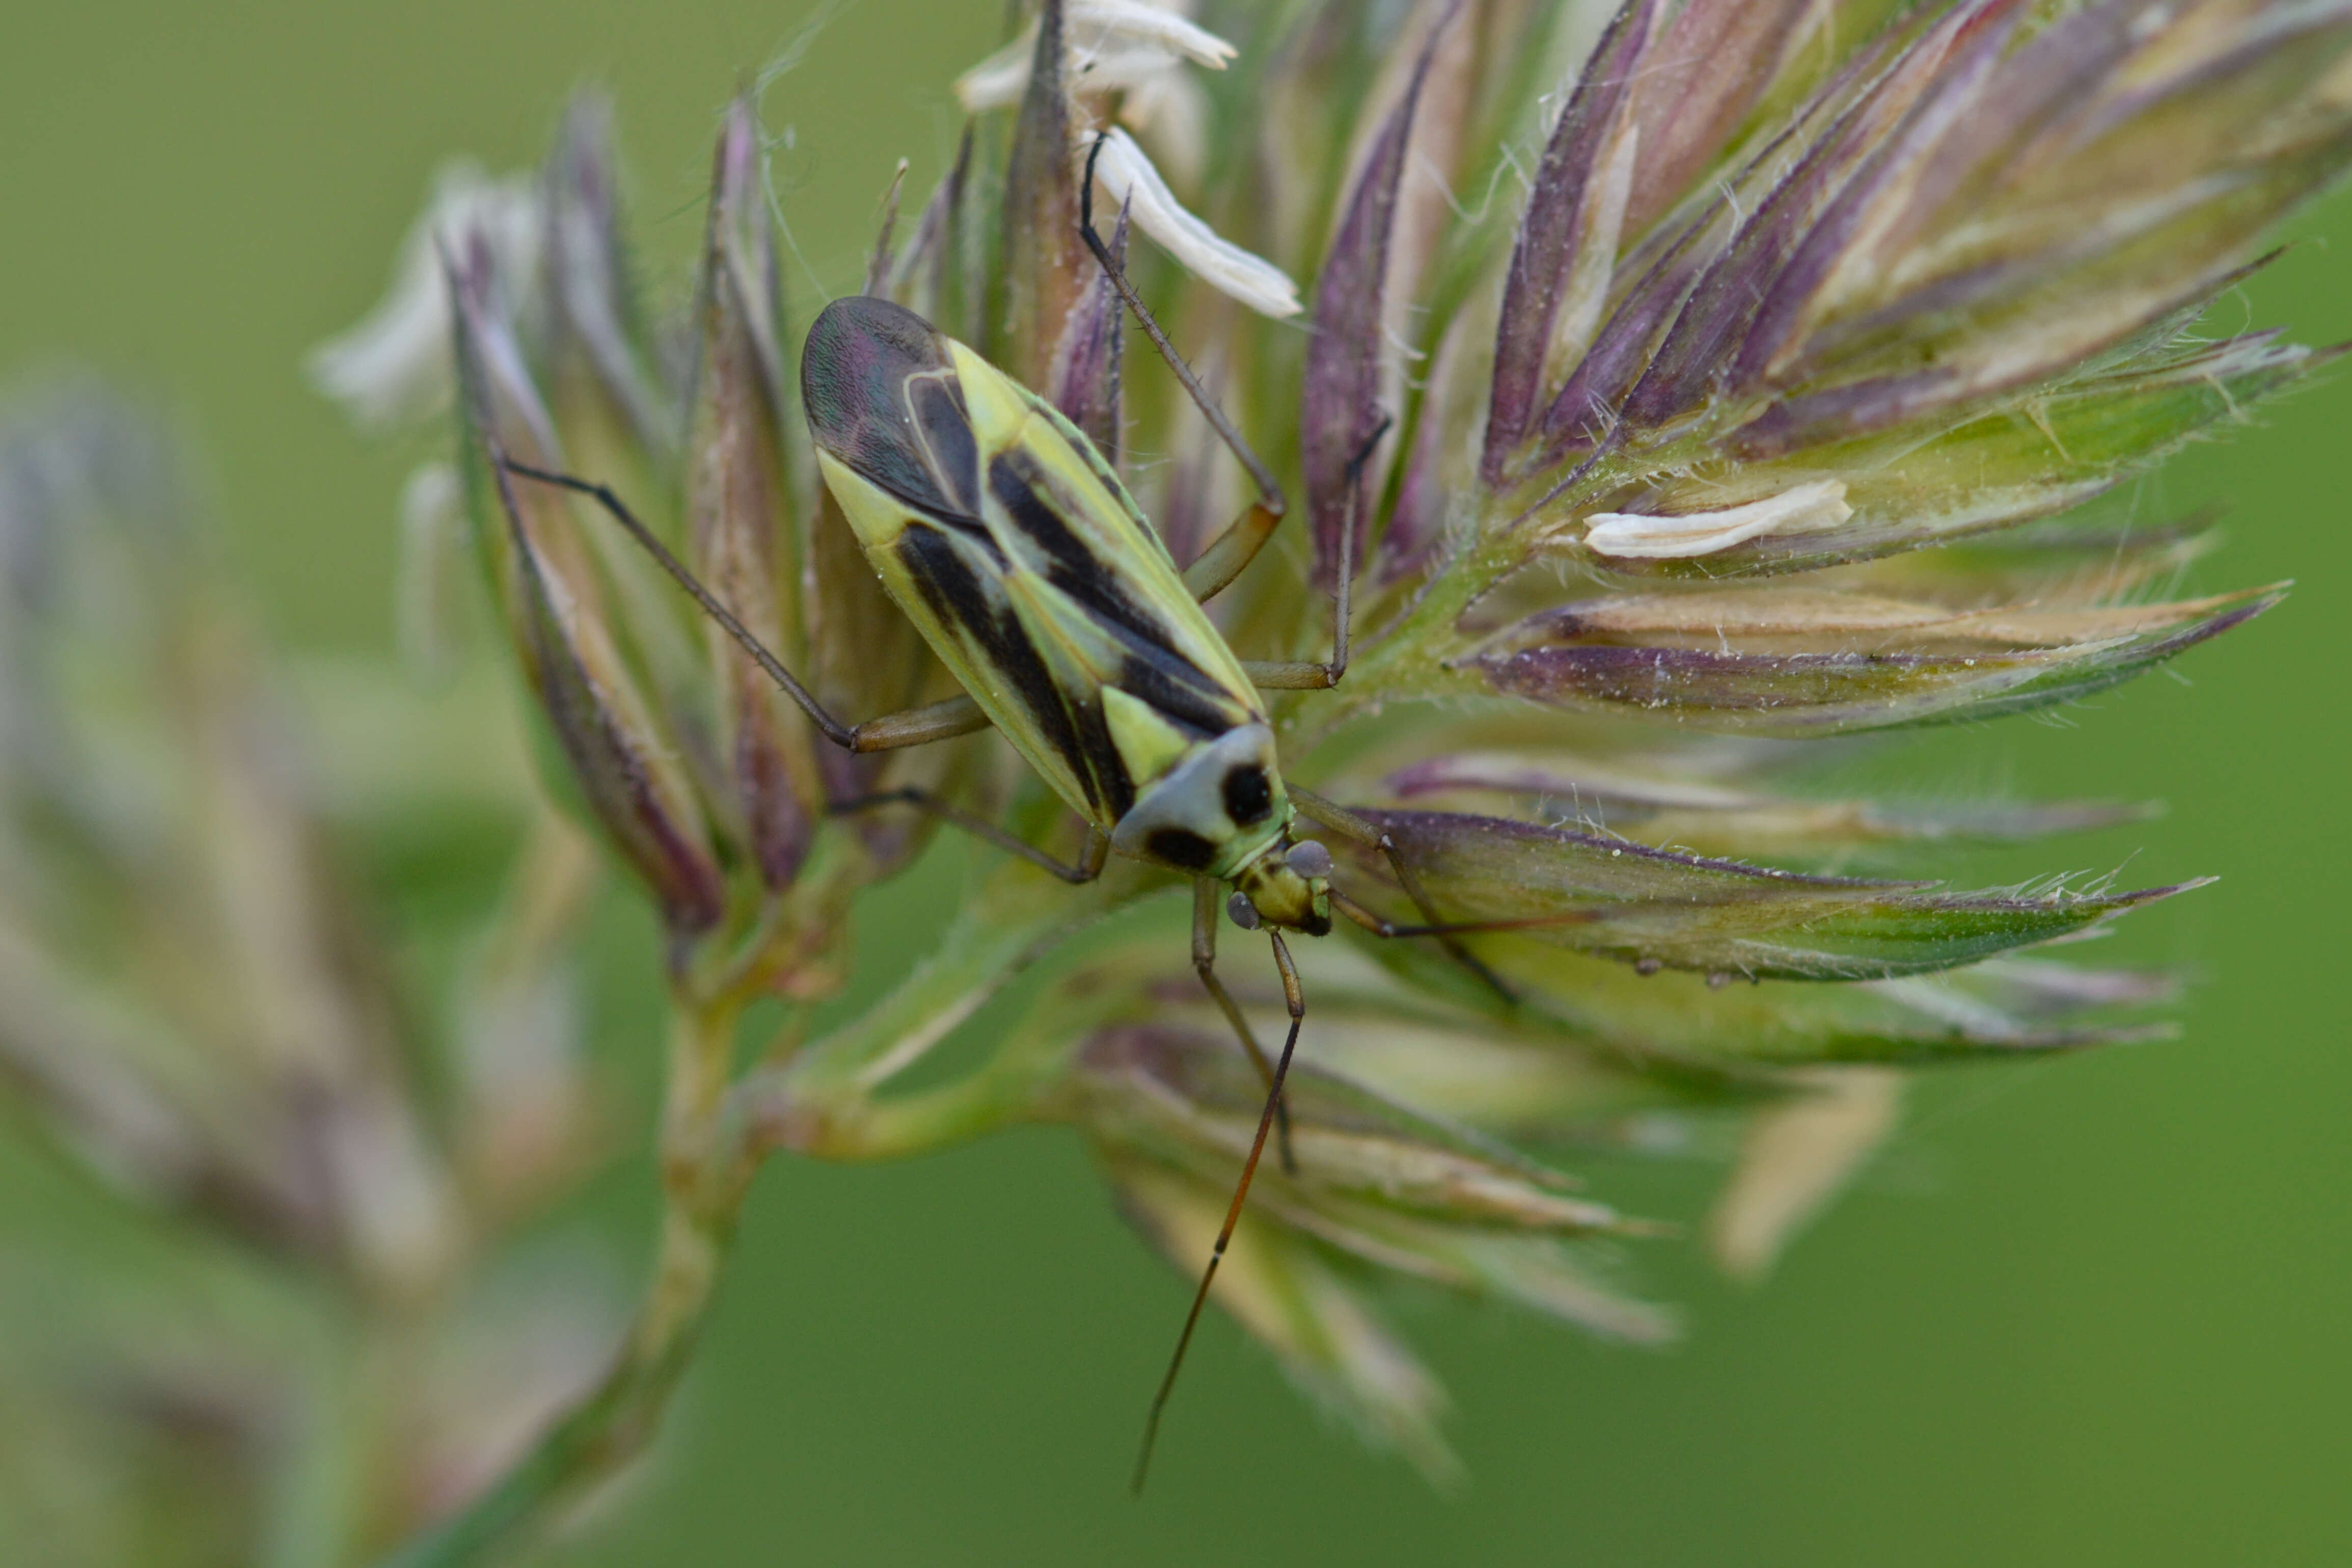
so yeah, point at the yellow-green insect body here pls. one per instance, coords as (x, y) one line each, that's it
(1024, 564)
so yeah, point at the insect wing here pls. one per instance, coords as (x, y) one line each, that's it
(1019, 557)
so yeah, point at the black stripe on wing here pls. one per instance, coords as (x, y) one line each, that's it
(1152, 670)
(1077, 731)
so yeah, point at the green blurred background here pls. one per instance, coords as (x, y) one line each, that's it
(2088, 1311)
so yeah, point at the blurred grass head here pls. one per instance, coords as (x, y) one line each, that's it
(312, 1171)
(1673, 396)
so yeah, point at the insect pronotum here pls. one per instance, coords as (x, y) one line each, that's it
(1016, 551)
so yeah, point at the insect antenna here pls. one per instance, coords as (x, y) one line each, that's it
(1204, 963)
(1348, 825)
(1443, 929)
(1296, 1001)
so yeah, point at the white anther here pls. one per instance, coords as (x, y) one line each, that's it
(1114, 46)
(1309, 859)
(1242, 911)
(395, 366)
(1148, 24)
(1127, 175)
(1819, 504)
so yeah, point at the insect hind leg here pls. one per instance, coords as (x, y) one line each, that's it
(915, 726)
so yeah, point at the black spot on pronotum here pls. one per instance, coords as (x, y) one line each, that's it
(1248, 796)
(1180, 847)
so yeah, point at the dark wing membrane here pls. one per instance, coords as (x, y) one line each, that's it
(936, 401)
(872, 374)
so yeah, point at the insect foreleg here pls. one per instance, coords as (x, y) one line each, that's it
(1297, 1004)
(1084, 869)
(915, 726)
(1304, 675)
(1204, 963)
(1341, 821)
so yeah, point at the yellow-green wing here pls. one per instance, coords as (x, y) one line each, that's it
(1019, 558)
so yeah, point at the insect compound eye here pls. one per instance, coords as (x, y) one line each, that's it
(1248, 796)
(1243, 912)
(1309, 859)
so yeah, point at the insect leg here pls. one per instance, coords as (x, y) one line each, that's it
(916, 727)
(1305, 675)
(1341, 821)
(1084, 869)
(1297, 1003)
(919, 726)
(1204, 963)
(1222, 558)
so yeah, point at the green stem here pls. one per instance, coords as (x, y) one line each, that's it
(822, 1102)
(856, 1128)
(704, 1173)
(712, 1141)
